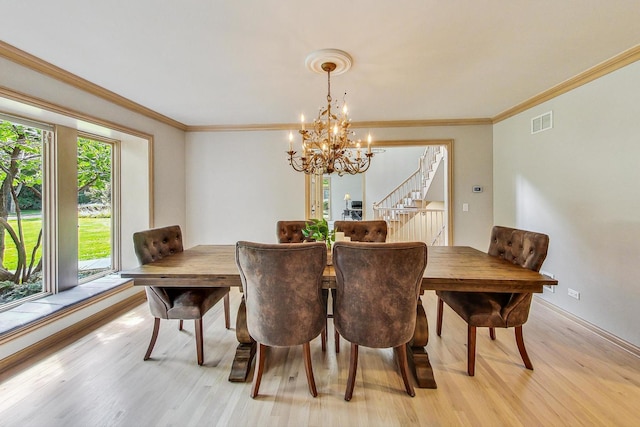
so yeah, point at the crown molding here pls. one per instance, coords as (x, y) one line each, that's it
(619, 61)
(27, 60)
(242, 128)
(355, 125)
(386, 143)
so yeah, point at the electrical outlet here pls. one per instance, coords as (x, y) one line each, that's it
(549, 288)
(573, 293)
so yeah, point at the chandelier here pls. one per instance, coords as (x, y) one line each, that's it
(327, 147)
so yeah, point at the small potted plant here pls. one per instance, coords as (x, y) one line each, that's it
(318, 230)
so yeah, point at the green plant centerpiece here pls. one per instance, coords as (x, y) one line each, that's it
(318, 230)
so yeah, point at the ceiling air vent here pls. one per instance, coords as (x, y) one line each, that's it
(542, 122)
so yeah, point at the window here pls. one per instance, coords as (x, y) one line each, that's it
(21, 220)
(24, 173)
(95, 209)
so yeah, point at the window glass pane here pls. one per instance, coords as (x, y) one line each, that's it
(95, 225)
(20, 212)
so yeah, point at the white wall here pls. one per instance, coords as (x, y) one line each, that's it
(239, 184)
(579, 183)
(436, 192)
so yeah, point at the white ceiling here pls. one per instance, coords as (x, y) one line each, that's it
(226, 62)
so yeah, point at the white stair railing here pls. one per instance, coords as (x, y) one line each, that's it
(426, 225)
(401, 207)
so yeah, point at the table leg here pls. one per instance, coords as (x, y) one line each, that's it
(246, 348)
(416, 352)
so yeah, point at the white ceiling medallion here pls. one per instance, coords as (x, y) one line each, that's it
(341, 58)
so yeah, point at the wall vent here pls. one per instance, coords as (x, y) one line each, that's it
(542, 122)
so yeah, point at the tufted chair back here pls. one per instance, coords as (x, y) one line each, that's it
(152, 245)
(290, 231)
(363, 231)
(524, 248)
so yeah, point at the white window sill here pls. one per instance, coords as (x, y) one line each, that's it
(30, 312)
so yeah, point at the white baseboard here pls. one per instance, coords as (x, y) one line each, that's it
(631, 348)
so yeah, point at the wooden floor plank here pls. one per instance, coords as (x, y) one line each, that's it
(578, 379)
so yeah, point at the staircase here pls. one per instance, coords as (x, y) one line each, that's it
(408, 213)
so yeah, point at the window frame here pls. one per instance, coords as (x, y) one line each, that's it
(116, 260)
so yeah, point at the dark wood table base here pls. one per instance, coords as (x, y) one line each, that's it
(416, 353)
(242, 362)
(245, 350)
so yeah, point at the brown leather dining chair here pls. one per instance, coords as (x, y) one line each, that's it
(282, 290)
(359, 231)
(175, 303)
(377, 294)
(493, 309)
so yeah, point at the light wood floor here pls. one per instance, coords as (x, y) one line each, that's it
(101, 379)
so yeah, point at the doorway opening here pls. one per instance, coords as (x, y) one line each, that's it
(409, 185)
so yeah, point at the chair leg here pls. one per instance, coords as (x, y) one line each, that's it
(154, 337)
(492, 333)
(323, 336)
(336, 334)
(199, 341)
(180, 325)
(439, 319)
(471, 350)
(523, 351)
(325, 303)
(309, 369)
(227, 317)
(404, 369)
(353, 367)
(258, 369)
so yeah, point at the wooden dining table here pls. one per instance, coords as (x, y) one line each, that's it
(453, 268)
